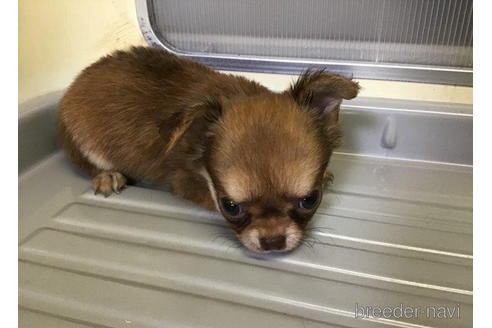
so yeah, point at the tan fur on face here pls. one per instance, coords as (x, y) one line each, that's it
(266, 145)
(250, 237)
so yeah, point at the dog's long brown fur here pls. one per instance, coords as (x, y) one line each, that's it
(148, 115)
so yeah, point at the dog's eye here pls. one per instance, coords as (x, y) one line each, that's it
(230, 208)
(310, 201)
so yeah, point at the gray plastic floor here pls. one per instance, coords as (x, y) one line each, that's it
(390, 233)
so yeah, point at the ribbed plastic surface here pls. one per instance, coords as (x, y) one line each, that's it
(434, 32)
(389, 233)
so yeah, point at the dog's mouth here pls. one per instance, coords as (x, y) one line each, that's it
(260, 241)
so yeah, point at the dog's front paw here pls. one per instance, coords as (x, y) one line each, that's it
(108, 182)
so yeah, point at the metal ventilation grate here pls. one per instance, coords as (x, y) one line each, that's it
(394, 39)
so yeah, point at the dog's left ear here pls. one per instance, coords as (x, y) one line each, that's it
(323, 93)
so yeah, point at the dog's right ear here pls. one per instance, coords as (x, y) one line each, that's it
(322, 93)
(194, 123)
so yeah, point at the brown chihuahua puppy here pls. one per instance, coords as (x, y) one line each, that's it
(223, 142)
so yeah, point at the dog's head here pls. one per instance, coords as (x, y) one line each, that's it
(268, 157)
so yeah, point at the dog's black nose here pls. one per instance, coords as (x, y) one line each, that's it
(272, 243)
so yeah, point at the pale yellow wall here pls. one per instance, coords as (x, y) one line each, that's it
(58, 38)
